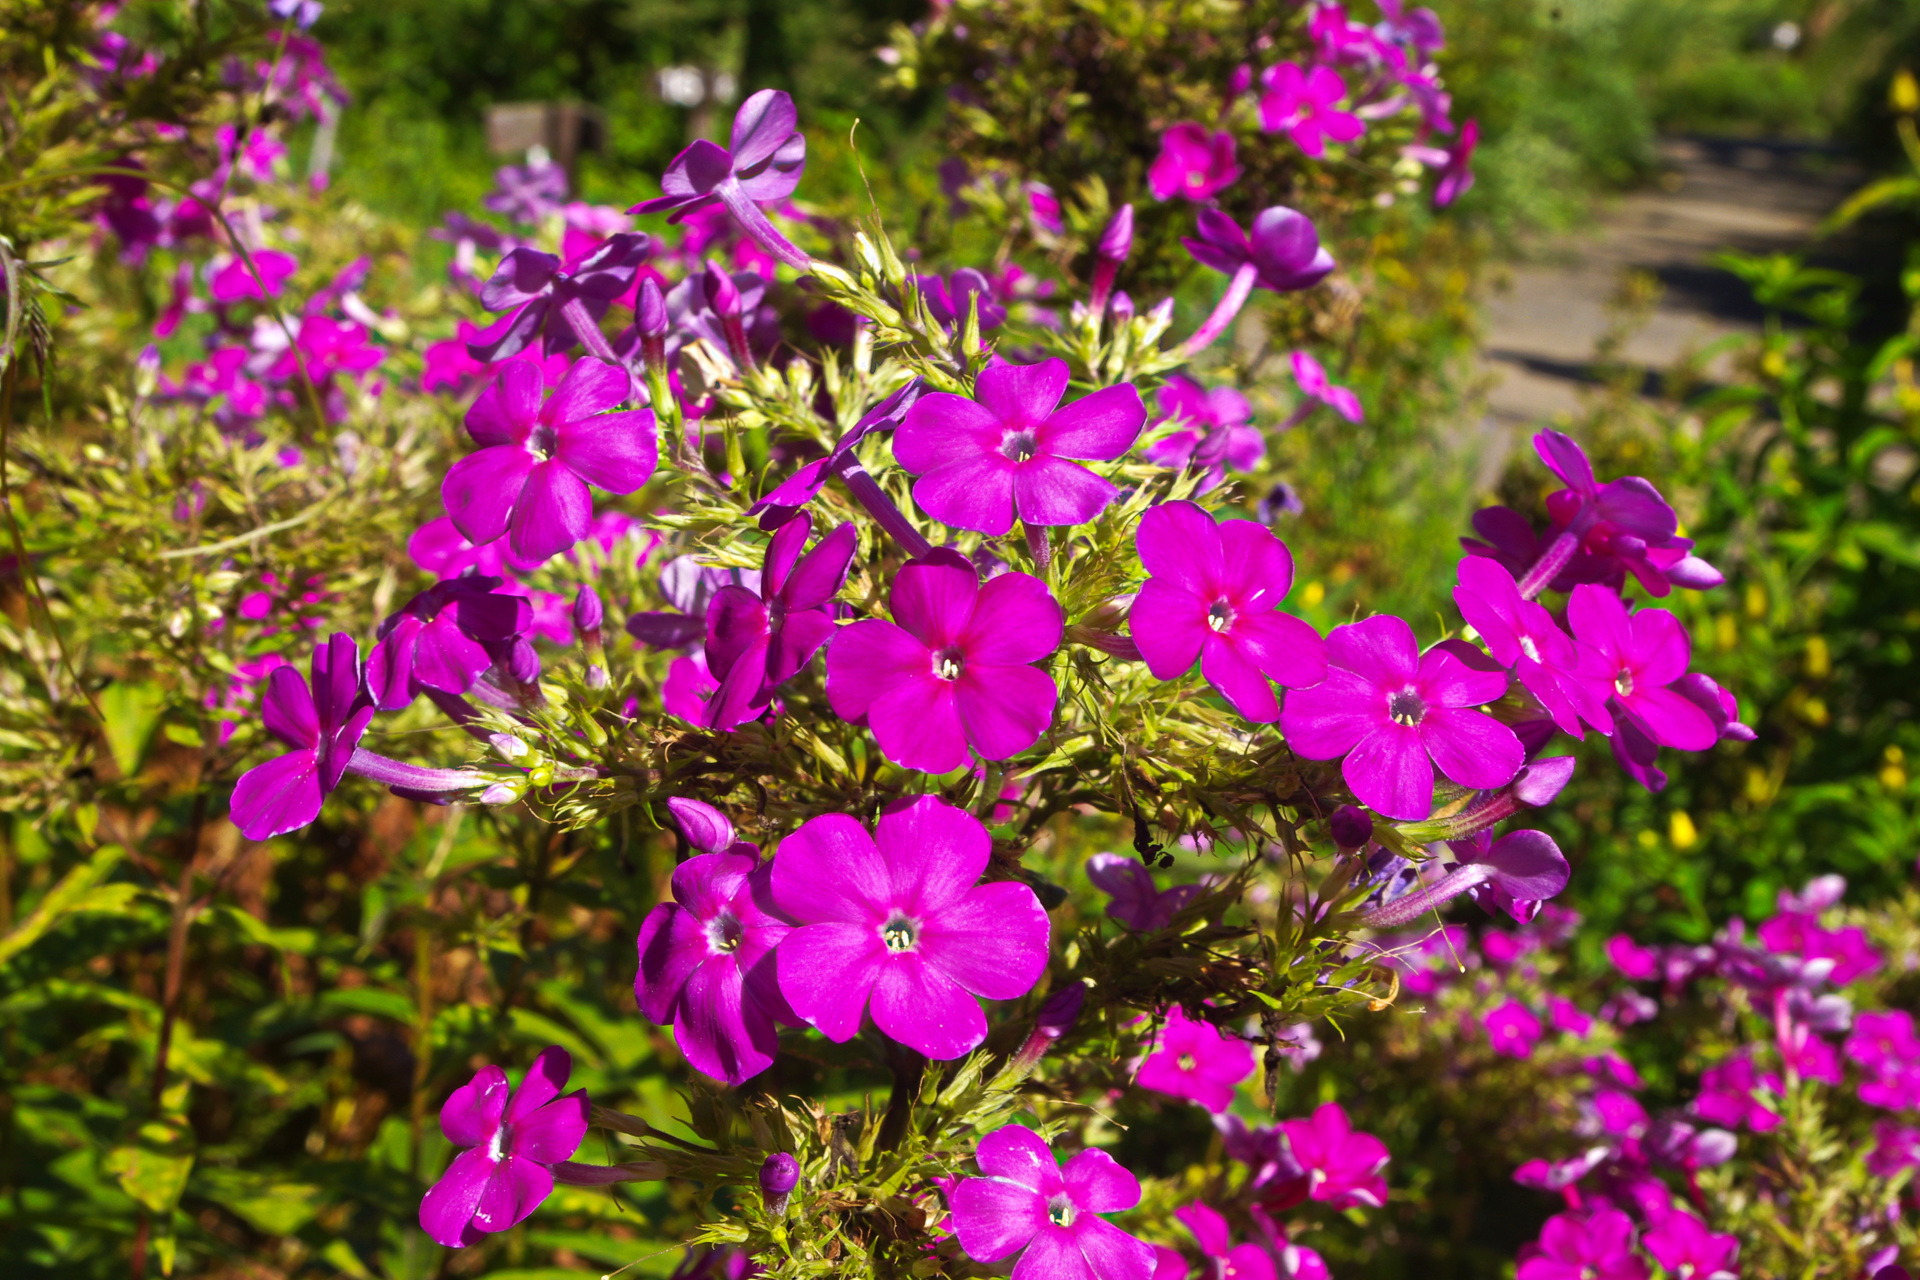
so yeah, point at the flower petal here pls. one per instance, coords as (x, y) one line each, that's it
(1098, 1184)
(1015, 620)
(1016, 1154)
(672, 943)
(1381, 649)
(995, 1218)
(542, 1083)
(794, 645)
(1180, 544)
(518, 1187)
(1169, 625)
(867, 660)
(934, 854)
(941, 427)
(554, 1132)
(1004, 710)
(918, 725)
(279, 796)
(472, 1113)
(827, 970)
(1055, 1255)
(819, 575)
(446, 1211)
(1471, 747)
(921, 1007)
(974, 493)
(1099, 427)
(1390, 773)
(933, 599)
(287, 710)
(1021, 396)
(1053, 491)
(1281, 645)
(714, 1032)
(591, 386)
(1239, 681)
(1111, 1253)
(1446, 681)
(993, 942)
(1329, 719)
(614, 451)
(554, 512)
(480, 490)
(831, 852)
(1672, 719)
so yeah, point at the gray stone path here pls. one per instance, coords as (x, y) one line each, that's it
(1544, 319)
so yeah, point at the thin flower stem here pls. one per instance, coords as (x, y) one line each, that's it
(1557, 554)
(1037, 545)
(1417, 904)
(1239, 289)
(754, 222)
(588, 329)
(868, 493)
(396, 773)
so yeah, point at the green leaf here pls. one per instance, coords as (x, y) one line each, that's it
(276, 1208)
(132, 713)
(79, 890)
(154, 1170)
(341, 1256)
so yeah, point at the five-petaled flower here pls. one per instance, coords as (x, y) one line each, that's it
(513, 1137)
(954, 669)
(1215, 596)
(1584, 1246)
(1218, 434)
(1342, 1166)
(761, 165)
(897, 921)
(1193, 162)
(1009, 450)
(758, 640)
(1029, 1204)
(1193, 1059)
(323, 726)
(1303, 105)
(1641, 655)
(1394, 714)
(529, 479)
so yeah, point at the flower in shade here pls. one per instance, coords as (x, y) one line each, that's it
(1689, 1250)
(1218, 434)
(1515, 874)
(954, 669)
(1456, 176)
(1884, 1044)
(1136, 903)
(1583, 1246)
(1214, 596)
(529, 193)
(896, 922)
(1419, 30)
(707, 963)
(1193, 162)
(1896, 1148)
(529, 480)
(1304, 105)
(513, 1140)
(1048, 1213)
(445, 637)
(951, 299)
(323, 725)
(688, 689)
(1342, 1166)
(1313, 380)
(557, 304)
(1512, 1029)
(1640, 656)
(761, 164)
(1230, 1261)
(1729, 1095)
(1009, 450)
(758, 640)
(1191, 1058)
(1395, 714)
(689, 587)
(1573, 684)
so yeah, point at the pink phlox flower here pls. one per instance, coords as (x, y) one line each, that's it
(1215, 1240)
(258, 156)
(1418, 29)
(448, 366)
(528, 194)
(1028, 1204)
(1896, 1148)
(1218, 434)
(1343, 1165)
(326, 347)
(1515, 874)
(1572, 683)
(1729, 1095)
(529, 480)
(1283, 248)
(322, 723)
(1634, 962)
(1567, 1017)
(688, 586)
(242, 691)
(1012, 449)
(1136, 903)
(1043, 207)
(537, 297)
(1583, 1246)
(513, 1140)
(761, 165)
(758, 640)
(229, 281)
(1800, 933)
(1623, 526)
(1557, 1175)
(1313, 380)
(445, 638)
(1642, 655)
(1512, 1029)
(688, 689)
(1618, 1113)
(1394, 715)
(896, 922)
(1276, 1177)
(1302, 104)
(296, 76)
(954, 670)
(1214, 597)
(707, 964)
(586, 228)
(1193, 1059)
(1194, 163)
(691, 314)
(1338, 39)
(1884, 1045)
(438, 548)
(1456, 175)
(1689, 1250)
(950, 299)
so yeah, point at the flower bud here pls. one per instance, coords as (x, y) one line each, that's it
(1057, 1016)
(1116, 242)
(779, 1175)
(1351, 827)
(509, 747)
(588, 615)
(1121, 306)
(723, 295)
(650, 321)
(705, 827)
(524, 664)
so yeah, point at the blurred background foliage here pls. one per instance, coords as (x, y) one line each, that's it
(322, 993)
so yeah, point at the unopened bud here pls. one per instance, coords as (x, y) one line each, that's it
(779, 1175)
(588, 614)
(509, 747)
(1057, 1016)
(1121, 306)
(524, 663)
(650, 319)
(705, 827)
(1351, 827)
(723, 295)
(499, 793)
(1116, 242)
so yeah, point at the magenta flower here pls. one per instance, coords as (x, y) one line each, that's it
(323, 726)
(1219, 435)
(1512, 1029)
(707, 964)
(514, 1138)
(1136, 903)
(231, 281)
(529, 480)
(1729, 1095)
(1215, 596)
(1641, 655)
(1456, 176)
(954, 669)
(1230, 1261)
(1395, 714)
(558, 304)
(1006, 452)
(1573, 684)
(1884, 1044)
(1515, 874)
(1576, 1246)
(1342, 1166)
(761, 165)
(1303, 105)
(1896, 1148)
(445, 638)
(951, 299)
(1686, 1247)
(758, 640)
(1193, 1059)
(1282, 253)
(1030, 1205)
(1313, 380)
(1193, 163)
(896, 920)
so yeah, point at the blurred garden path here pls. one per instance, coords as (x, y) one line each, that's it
(1546, 317)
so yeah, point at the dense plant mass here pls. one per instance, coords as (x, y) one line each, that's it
(765, 613)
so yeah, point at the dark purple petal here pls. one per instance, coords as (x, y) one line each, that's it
(554, 511)
(821, 572)
(522, 275)
(717, 1032)
(481, 490)
(287, 710)
(736, 622)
